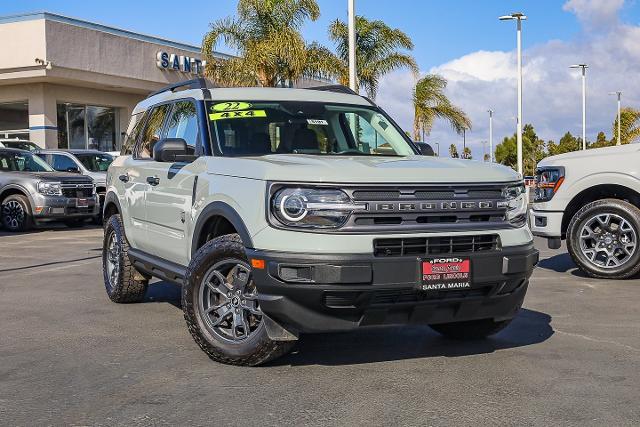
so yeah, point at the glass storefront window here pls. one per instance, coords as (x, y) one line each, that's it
(87, 126)
(14, 120)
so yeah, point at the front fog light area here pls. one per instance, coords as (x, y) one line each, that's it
(312, 208)
(515, 203)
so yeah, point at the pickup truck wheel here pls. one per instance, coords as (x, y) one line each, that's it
(220, 305)
(121, 279)
(16, 213)
(470, 330)
(603, 239)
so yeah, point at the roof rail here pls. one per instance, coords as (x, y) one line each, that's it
(334, 88)
(199, 83)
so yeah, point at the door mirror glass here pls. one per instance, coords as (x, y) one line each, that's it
(172, 150)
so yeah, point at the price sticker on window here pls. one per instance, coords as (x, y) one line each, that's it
(247, 114)
(231, 106)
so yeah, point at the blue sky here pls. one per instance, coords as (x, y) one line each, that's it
(441, 30)
(461, 40)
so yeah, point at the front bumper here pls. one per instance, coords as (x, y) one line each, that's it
(344, 292)
(54, 208)
(546, 223)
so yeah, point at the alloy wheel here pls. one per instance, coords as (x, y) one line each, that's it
(608, 240)
(228, 300)
(113, 260)
(13, 214)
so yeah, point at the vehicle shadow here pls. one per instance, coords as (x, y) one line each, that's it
(561, 263)
(166, 292)
(388, 343)
(382, 344)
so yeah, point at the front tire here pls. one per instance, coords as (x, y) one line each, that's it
(220, 305)
(470, 330)
(16, 213)
(603, 238)
(123, 283)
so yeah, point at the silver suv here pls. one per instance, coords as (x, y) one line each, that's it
(288, 211)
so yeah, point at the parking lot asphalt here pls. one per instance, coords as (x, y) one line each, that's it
(68, 356)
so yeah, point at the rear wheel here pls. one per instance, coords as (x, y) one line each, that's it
(16, 213)
(221, 308)
(472, 329)
(122, 281)
(603, 239)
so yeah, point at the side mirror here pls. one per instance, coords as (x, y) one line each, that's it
(425, 149)
(73, 169)
(172, 150)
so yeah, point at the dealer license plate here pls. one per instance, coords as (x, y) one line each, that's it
(445, 274)
(82, 203)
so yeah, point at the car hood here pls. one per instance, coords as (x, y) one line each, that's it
(53, 176)
(362, 169)
(589, 155)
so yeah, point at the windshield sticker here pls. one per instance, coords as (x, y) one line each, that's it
(317, 122)
(230, 106)
(247, 114)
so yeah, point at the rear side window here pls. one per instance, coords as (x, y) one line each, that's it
(151, 133)
(62, 163)
(133, 133)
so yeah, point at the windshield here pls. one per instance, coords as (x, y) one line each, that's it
(21, 145)
(258, 128)
(22, 162)
(95, 162)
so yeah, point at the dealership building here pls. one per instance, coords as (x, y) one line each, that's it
(69, 83)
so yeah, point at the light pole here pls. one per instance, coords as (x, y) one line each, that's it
(490, 135)
(353, 83)
(619, 93)
(583, 67)
(438, 148)
(518, 17)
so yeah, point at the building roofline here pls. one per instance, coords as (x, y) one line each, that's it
(31, 16)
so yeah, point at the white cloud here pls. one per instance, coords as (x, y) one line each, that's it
(552, 92)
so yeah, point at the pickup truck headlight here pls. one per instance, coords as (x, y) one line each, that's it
(515, 203)
(313, 208)
(548, 181)
(50, 188)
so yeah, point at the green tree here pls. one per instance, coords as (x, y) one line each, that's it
(266, 37)
(602, 141)
(533, 150)
(466, 153)
(567, 143)
(629, 125)
(430, 102)
(487, 157)
(453, 151)
(379, 51)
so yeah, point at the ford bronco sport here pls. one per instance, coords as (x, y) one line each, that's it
(289, 211)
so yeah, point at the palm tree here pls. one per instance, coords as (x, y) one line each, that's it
(378, 52)
(629, 125)
(466, 153)
(430, 102)
(266, 37)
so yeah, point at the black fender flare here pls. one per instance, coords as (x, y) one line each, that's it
(109, 198)
(227, 212)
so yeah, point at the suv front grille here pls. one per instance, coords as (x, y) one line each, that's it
(422, 246)
(81, 190)
(427, 208)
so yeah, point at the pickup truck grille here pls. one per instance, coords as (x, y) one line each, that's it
(404, 208)
(443, 245)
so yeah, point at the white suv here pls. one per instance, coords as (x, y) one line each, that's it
(288, 211)
(591, 199)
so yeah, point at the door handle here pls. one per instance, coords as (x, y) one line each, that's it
(124, 178)
(153, 180)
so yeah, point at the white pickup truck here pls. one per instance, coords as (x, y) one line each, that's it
(592, 198)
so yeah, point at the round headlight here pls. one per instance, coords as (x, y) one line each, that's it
(293, 207)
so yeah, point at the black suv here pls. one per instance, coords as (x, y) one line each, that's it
(31, 192)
